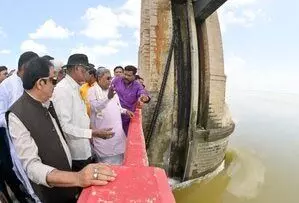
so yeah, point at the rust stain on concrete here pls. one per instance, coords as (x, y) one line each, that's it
(161, 31)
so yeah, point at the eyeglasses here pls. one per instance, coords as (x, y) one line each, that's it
(53, 80)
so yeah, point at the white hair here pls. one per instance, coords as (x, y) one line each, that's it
(101, 71)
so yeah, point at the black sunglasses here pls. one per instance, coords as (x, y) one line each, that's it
(53, 80)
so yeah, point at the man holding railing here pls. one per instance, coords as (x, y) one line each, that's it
(130, 93)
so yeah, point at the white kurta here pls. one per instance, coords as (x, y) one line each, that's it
(106, 113)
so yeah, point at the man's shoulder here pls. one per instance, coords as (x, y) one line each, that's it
(8, 81)
(63, 84)
(137, 84)
(117, 79)
(10, 85)
(61, 88)
(19, 103)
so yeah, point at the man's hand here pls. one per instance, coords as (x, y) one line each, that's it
(111, 92)
(95, 174)
(130, 113)
(139, 104)
(143, 98)
(105, 133)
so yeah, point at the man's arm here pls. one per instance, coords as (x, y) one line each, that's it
(143, 94)
(123, 110)
(27, 151)
(62, 100)
(96, 104)
(83, 178)
(46, 175)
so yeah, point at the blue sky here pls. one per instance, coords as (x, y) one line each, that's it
(60, 28)
(260, 37)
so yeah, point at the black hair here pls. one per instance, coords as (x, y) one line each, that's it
(35, 69)
(48, 57)
(25, 57)
(131, 68)
(93, 72)
(118, 67)
(2, 68)
(91, 65)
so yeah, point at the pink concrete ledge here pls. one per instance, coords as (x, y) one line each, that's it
(136, 181)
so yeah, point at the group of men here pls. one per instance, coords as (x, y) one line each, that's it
(62, 135)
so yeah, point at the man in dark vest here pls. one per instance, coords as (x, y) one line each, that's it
(40, 143)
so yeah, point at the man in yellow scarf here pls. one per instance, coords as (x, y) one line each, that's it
(90, 80)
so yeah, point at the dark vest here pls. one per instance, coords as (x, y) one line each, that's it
(38, 122)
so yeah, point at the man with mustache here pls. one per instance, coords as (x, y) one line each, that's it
(41, 144)
(130, 93)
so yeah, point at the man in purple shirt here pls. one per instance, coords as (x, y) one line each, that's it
(130, 93)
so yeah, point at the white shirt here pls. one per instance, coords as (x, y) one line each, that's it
(19, 170)
(11, 89)
(72, 114)
(106, 113)
(27, 150)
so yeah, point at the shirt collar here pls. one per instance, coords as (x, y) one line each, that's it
(127, 85)
(16, 77)
(45, 104)
(72, 82)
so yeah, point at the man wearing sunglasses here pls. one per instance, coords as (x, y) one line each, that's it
(71, 111)
(40, 143)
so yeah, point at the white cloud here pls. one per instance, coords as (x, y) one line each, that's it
(50, 30)
(241, 12)
(244, 75)
(129, 62)
(5, 51)
(117, 43)
(102, 23)
(30, 45)
(129, 14)
(97, 53)
(238, 3)
(105, 23)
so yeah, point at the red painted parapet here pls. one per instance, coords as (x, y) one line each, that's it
(136, 181)
(135, 152)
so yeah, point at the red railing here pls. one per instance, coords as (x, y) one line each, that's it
(136, 181)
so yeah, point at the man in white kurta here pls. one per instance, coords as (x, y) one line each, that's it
(106, 113)
(72, 114)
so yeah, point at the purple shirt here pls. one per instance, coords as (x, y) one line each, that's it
(128, 94)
